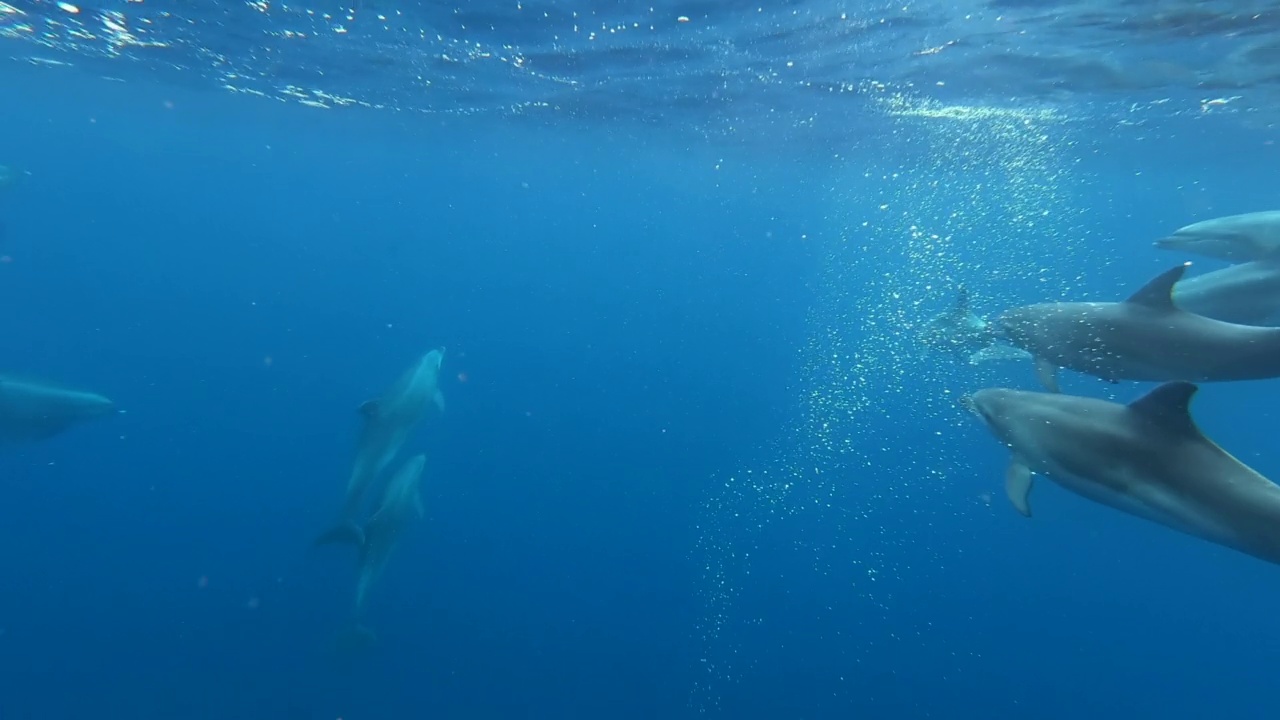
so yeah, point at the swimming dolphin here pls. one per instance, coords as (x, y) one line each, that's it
(31, 411)
(401, 503)
(965, 335)
(1143, 338)
(1234, 238)
(387, 424)
(1146, 458)
(1248, 293)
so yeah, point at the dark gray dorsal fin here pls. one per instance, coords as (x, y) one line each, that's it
(962, 300)
(1168, 406)
(1158, 293)
(369, 408)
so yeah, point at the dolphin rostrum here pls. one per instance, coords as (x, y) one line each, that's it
(1234, 238)
(1146, 458)
(388, 422)
(31, 410)
(965, 335)
(1145, 337)
(1248, 293)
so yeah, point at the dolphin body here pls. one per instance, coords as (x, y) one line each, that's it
(1146, 459)
(387, 424)
(400, 504)
(1145, 337)
(31, 411)
(965, 335)
(1234, 238)
(1248, 293)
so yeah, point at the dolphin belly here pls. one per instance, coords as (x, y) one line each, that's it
(1152, 502)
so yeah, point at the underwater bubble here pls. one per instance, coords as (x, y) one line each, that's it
(980, 197)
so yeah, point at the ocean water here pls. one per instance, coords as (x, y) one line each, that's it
(695, 460)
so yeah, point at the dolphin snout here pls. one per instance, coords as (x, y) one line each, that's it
(985, 403)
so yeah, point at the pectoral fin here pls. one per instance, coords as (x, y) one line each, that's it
(1048, 374)
(439, 400)
(1017, 485)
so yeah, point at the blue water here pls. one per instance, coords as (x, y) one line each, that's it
(633, 254)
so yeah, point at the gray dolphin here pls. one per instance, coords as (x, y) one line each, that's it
(1143, 338)
(32, 410)
(1234, 238)
(401, 503)
(1248, 293)
(1146, 458)
(963, 334)
(387, 424)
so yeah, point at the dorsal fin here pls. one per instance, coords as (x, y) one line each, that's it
(1168, 406)
(369, 408)
(1158, 293)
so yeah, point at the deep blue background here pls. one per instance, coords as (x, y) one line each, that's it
(624, 309)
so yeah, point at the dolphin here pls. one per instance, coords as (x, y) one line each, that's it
(388, 422)
(965, 335)
(1234, 238)
(401, 503)
(1146, 458)
(31, 411)
(1248, 293)
(1145, 337)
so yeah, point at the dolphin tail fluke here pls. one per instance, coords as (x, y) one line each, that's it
(346, 532)
(355, 638)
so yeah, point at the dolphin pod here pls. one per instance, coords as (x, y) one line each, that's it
(1146, 337)
(32, 411)
(1146, 458)
(1234, 238)
(388, 422)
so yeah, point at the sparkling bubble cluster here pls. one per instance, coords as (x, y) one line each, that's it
(976, 195)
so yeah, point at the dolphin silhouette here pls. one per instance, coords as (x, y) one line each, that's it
(401, 503)
(31, 411)
(965, 335)
(1145, 337)
(1147, 459)
(388, 421)
(1247, 293)
(1234, 238)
